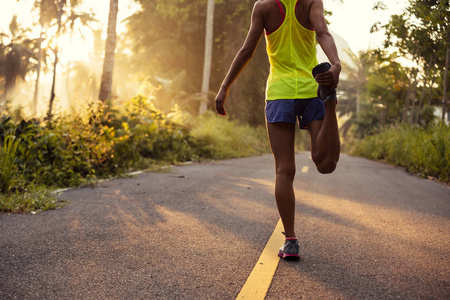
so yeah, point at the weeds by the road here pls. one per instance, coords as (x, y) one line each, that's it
(8, 160)
(419, 150)
(29, 200)
(223, 138)
(103, 142)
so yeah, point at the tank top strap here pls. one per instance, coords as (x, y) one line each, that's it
(289, 5)
(281, 8)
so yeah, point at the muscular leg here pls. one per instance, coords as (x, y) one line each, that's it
(281, 137)
(325, 142)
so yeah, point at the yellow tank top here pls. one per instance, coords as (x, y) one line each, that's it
(292, 55)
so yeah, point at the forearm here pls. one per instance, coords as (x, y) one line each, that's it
(331, 77)
(240, 61)
(326, 41)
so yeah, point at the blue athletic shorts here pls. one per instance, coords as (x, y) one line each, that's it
(291, 110)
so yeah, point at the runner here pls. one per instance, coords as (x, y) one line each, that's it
(292, 28)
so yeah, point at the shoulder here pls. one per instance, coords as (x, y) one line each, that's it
(316, 9)
(315, 3)
(262, 5)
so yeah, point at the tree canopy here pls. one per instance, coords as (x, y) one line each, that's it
(164, 49)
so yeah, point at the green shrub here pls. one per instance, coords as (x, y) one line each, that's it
(100, 143)
(424, 150)
(106, 141)
(145, 134)
(225, 138)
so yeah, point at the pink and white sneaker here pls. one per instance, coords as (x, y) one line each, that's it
(290, 249)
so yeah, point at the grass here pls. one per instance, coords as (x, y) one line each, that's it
(8, 158)
(105, 142)
(32, 200)
(425, 151)
(224, 138)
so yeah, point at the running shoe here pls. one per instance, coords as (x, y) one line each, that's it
(290, 249)
(323, 92)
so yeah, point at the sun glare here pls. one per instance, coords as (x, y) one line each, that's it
(72, 46)
(75, 48)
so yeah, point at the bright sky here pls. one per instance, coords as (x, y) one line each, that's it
(23, 10)
(351, 20)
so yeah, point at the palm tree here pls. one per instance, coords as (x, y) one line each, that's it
(47, 10)
(18, 55)
(108, 63)
(208, 55)
(63, 25)
(60, 10)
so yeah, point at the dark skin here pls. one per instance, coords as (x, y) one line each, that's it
(266, 16)
(324, 134)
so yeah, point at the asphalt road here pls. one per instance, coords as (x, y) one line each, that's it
(368, 231)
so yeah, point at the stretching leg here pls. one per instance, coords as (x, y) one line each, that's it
(325, 142)
(281, 137)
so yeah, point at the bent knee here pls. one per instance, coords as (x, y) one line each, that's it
(326, 167)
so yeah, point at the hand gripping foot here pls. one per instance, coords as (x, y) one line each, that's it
(323, 92)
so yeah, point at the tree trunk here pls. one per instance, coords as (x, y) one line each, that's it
(38, 72)
(422, 94)
(430, 90)
(208, 55)
(108, 63)
(408, 97)
(52, 94)
(444, 99)
(414, 100)
(358, 103)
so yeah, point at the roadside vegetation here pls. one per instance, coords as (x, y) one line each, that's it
(398, 111)
(106, 142)
(420, 150)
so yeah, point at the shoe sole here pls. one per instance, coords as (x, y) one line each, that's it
(290, 257)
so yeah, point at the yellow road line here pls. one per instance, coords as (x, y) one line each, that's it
(305, 169)
(260, 278)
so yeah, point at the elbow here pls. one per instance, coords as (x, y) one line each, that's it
(323, 35)
(246, 53)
